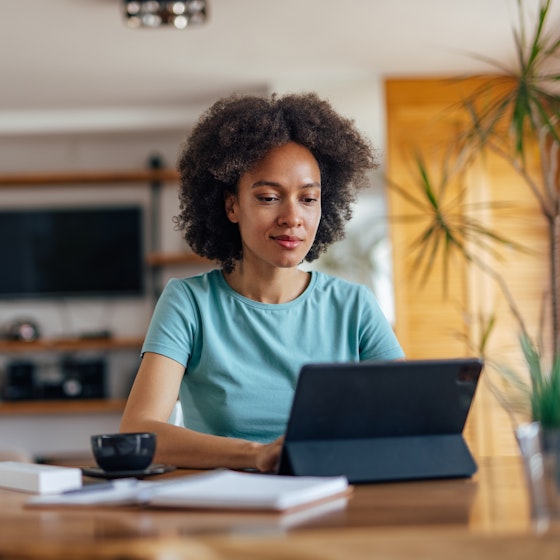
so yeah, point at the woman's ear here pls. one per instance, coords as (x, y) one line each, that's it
(231, 208)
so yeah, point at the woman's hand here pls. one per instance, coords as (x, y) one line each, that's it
(268, 455)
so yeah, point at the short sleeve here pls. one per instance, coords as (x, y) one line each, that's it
(377, 340)
(173, 324)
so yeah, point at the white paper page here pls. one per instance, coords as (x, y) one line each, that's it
(229, 489)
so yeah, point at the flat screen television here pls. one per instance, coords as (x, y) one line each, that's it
(71, 252)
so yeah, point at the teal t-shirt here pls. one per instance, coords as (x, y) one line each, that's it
(242, 357)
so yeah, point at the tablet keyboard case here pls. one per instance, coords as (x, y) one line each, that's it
(382, 421)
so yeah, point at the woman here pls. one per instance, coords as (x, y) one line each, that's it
(266, 183)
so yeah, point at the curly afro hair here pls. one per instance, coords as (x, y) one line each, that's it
(238, 131)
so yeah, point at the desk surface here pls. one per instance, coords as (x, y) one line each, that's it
(481, 518)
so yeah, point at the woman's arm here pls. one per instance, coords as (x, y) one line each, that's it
(149, 406)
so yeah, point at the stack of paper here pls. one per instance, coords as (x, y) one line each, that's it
(228, 489)
(221, 489)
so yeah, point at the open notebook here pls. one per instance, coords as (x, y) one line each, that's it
(381, 421)
(219, 489)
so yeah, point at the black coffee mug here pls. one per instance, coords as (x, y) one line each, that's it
(124, 451)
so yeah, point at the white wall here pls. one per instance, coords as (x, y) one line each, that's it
(114, 150)
(54, 435)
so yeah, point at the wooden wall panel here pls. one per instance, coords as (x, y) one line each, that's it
(428, 319)
(430, 324)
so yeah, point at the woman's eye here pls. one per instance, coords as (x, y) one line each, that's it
(267, 198)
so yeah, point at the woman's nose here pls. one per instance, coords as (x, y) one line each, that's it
(290, 215)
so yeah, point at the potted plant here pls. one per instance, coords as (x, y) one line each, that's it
(515, 115)
(539, 440)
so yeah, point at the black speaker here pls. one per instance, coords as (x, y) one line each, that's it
(80, 379)
(20, 381)
(69, 379)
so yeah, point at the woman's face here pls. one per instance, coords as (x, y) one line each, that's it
(278, 207)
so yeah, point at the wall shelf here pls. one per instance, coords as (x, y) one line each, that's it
(70, 345)
(70, 178)
(77, 406)
(154, 176)
(61, 345)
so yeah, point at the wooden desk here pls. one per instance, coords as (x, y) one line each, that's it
(486, 517)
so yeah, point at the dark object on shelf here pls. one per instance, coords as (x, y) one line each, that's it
(19, 384)
(124, 451)
(25, 330)
(102, 334)
(84, 379)
(71, 379)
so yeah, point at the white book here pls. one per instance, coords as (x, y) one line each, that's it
(221, 489)
(238, 490)
(40, 479)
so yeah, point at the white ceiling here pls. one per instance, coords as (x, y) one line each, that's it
(76, 59)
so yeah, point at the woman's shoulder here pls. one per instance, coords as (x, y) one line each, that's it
(199, 282)
(191, 290)
(340, 291)
(326, 281)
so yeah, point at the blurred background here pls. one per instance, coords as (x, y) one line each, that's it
(85, 97)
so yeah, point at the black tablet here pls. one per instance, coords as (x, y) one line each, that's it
(382, 421)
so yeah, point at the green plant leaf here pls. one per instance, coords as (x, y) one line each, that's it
(545, 387)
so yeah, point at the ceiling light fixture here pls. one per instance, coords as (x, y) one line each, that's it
(154, 13)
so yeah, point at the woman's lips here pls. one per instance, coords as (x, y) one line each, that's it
(287, 241)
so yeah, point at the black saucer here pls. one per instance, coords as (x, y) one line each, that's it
(97, 472)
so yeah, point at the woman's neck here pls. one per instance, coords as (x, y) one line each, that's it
(274, 286)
